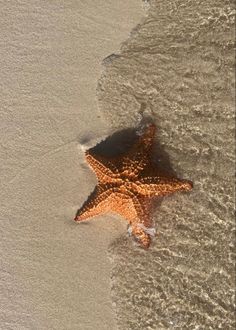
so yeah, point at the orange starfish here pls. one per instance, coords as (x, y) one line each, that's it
(127, 184)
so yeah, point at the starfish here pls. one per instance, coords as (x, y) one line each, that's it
(127, 185)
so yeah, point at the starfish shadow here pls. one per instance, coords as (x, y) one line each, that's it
(121, 141)
(115, 144)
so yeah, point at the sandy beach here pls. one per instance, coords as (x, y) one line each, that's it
(72, 73)
(54, 273)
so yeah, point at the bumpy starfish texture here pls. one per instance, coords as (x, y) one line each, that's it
(127, 184)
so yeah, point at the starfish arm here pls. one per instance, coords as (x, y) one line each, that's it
(136, 210)
(142, 226)
(123, 205)
(104, 169)
(139, 155)
(162, 186)
(142, 206)
(97, 203)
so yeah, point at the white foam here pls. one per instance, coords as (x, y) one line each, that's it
(148, 230)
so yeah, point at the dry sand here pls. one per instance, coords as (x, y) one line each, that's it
(54, 273)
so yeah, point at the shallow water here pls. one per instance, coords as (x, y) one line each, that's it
(178, 68)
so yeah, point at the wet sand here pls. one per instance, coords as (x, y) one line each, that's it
(178, 68)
